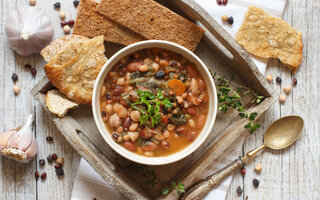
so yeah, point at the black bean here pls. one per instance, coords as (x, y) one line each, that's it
(14, 77)
(59, 171)
(57, 4)
(230, 20)
(239, 190)
(103, 114)
(108, 96)
(160, 74)
(76, 2)
(278, 79)
(255, 182)
(173, 63)
(42, 162)
(49, 159)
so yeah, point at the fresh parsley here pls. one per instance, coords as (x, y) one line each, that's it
(148, 105)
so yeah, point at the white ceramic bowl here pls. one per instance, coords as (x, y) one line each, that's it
(212, 105)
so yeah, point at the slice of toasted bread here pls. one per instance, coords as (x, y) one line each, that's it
(54, 47)
(270, 37)
(152, 21)
(58, 104)
(75, 68)
(91, 24)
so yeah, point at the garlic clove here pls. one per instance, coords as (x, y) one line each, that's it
(32, 149)
(22, 139)
(5, 136)
(19, 144)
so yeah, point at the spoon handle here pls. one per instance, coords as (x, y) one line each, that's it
(200, 189)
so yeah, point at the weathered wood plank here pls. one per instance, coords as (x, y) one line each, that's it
(294, 172)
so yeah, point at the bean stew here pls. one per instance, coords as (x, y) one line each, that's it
(154, 102)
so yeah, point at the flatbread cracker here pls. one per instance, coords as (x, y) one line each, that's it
(152, 21)
(270, 37)
(58, 104)
(91, 24)
(54, 47)
(75, 68)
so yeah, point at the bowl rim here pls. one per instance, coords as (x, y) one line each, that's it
(160, 160)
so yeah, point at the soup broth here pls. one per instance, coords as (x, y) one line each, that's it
(154, 102)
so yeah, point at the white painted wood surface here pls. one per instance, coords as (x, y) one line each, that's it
(293, 173)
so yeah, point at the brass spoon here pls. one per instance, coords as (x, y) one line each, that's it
(279, 135)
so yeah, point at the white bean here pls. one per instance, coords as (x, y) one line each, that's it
(128, 88)
(120, 110)
(133, 126)
(119, 130)
(148, 153)
(166, 133)
(192, 123)
(171, 127)
(120, 81)
(194, 85)
(115, 121)
(133, 135)
(109, 109)
(143, 68)
(179, 99)
(135, 115)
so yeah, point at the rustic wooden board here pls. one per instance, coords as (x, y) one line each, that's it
(222, 55)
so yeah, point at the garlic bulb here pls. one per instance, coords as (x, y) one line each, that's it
(19, 144)
(28, 30)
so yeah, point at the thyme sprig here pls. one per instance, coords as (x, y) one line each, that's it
(178, 187)
(229, 97)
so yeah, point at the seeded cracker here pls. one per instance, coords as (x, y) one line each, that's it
(89, 23)
(58, 104)
(152, 21)
(270, 37)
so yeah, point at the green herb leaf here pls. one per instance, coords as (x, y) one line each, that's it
(149, 107)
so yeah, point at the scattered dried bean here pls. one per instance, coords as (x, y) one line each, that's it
(239, 190)
(14, 77)
(255, 182)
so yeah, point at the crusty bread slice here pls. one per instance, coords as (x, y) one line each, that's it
(75, 68)
(58, 104)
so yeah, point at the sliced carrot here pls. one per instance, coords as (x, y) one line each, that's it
(177, 86)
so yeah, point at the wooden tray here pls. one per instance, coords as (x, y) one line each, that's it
(222, 54)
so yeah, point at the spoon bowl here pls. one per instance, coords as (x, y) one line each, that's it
(283, 132)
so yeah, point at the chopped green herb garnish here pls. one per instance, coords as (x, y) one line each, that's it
(148, 105)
